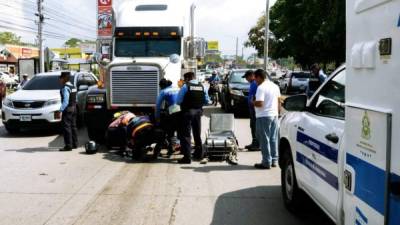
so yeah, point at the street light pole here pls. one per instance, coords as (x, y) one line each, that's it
(40, 21)
(266, 36)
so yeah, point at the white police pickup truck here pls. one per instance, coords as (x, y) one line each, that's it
(342, 146)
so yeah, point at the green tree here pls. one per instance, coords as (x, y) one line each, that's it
(9, 38)
(73, 42)
(308, 30)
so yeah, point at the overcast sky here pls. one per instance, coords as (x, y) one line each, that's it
(221, 20)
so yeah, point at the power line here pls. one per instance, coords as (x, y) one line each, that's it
(67, 17)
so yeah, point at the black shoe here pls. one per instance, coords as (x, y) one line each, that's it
(254, 149)
(249, 146)
(74, 146)
(274, 164)
(261, 166)
(65, 149)
(184, 161)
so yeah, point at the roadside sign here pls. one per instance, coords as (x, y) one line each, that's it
(104, 18)
(213, 45)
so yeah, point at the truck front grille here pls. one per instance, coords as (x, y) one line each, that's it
(134, 88)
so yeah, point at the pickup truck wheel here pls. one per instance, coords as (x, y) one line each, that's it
(293, 197)
(11, 129)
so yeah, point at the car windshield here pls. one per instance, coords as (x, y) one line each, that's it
(301, 75)
(44, 83)
(236, 77)
(147, 48)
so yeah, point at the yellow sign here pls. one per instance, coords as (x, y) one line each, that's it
(213, 45)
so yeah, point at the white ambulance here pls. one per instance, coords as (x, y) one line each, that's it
(342, 146)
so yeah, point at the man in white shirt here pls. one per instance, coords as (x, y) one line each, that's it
(267, 107)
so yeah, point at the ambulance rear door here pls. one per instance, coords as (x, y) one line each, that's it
(372, 131)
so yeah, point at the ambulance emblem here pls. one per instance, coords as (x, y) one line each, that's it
(366, 127)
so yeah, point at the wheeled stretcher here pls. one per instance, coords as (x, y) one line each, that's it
(221, 142)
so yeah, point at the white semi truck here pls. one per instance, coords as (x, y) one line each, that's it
(342, 146)
(152, 39)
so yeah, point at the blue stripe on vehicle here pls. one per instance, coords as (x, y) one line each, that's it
(318, 170)
(369, 183)
(358, 222)
(362, 216)
(394, 213)
(319, 147)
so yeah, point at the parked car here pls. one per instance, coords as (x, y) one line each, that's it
(201, 77)
(36, 103)
(311, 150)
(294, 82)
(3, 91)
(9, 80)
(234, 92)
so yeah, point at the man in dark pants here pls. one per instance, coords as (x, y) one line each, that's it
(68, 112)
(192, 97)
(168, 112)
(249, 75)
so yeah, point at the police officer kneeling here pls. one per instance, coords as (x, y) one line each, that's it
(68, 112)
(192, 97)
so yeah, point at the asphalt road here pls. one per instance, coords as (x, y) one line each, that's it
(39, 185)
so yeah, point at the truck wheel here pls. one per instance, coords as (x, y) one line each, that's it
(97, 135)
(294, 198)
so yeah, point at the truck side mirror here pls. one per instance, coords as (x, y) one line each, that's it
(98, 57)
(174, 58)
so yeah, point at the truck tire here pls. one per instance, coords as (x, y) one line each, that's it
(294, 198)
(97, 135)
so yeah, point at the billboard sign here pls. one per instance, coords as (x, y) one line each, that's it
(213, 45)
(104, 18)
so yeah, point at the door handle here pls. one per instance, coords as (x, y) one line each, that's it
(332, 138)
(395, 188)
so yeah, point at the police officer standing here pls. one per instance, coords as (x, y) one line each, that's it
(68, 112)
(192, 97)
(168, 111)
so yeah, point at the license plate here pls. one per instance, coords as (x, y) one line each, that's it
(25, 118)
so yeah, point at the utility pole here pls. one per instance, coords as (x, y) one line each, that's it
(237, 49)
(266, 37)
(40, 22)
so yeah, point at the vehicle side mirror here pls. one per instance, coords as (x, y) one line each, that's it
(174, 58)
(295, 103)
(83, 88)
(98, 57)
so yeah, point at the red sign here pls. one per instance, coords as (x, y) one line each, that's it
(104, 3)
(26, 52)
(104, 18)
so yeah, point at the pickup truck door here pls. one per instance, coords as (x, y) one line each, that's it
(319, 136)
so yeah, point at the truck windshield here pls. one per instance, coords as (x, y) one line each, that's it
(147, 48)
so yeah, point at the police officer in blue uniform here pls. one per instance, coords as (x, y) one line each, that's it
(168, 111)
(68, 112)
(191, 98)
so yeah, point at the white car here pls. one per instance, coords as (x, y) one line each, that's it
(36, 103)
(310, 146)
(8, 79)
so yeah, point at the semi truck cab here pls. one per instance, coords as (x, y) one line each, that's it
(151, 40)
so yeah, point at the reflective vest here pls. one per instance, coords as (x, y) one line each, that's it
(194, 98)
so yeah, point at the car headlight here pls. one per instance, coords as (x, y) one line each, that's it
(7, 102)
(95, 99)
(236, 92)
(52, 102)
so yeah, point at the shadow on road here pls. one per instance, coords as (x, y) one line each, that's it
(33, 150)
(207, 169)
(260, 206)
